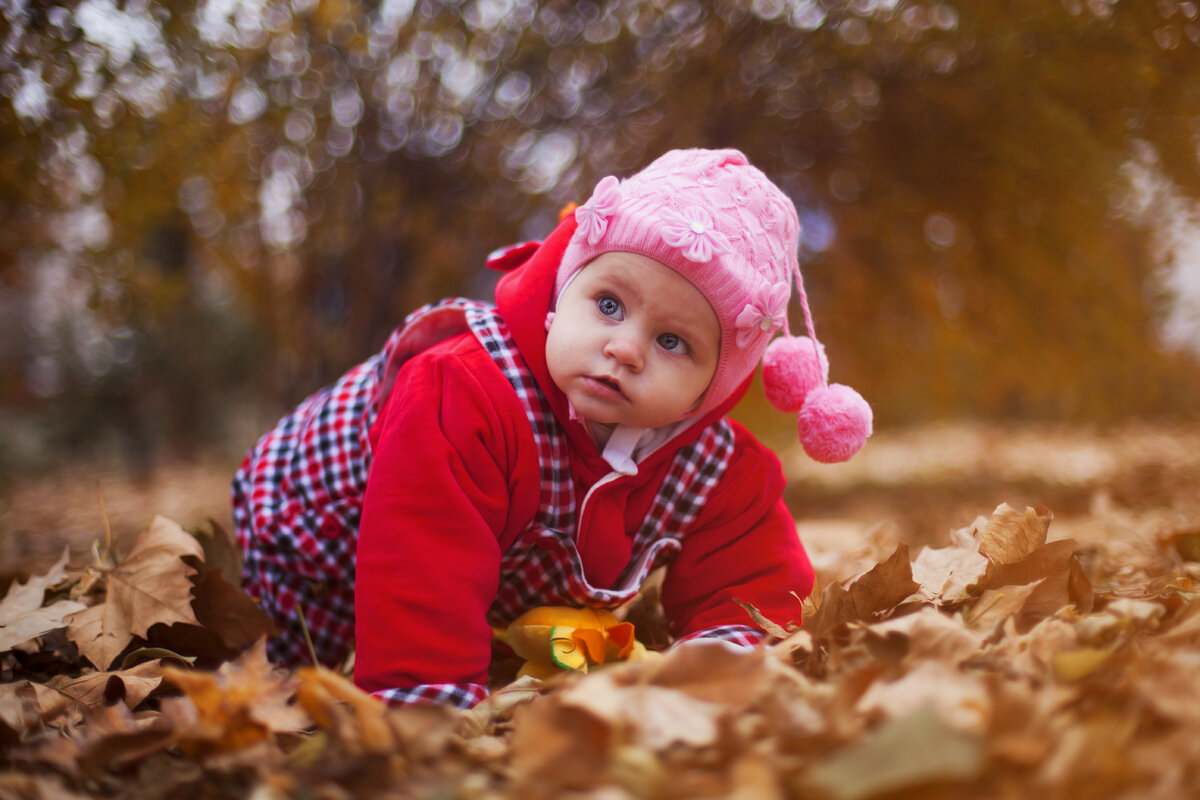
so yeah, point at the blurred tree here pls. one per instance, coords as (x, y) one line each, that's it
(319, 167)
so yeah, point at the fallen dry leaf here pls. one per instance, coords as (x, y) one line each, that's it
(773, 629)
(950, 575)
(755, 777)
(1184, 630)
(879, 589)
(908, 752)
(1060, 580)
(149, 586)
(1011, 535)
(991, 664)
(243, 703)
(1075, 665)
(27, 706)
(707, 669)
(1031, 653)
(498, 709)
(593, 730)
(221, 551)
(995, 606)
(654, 716)
(222, 607)
(22, 615)
(335, 703)
(130, 686)
(111, 737)
(930, 635)
(556, 748)
(961, 700)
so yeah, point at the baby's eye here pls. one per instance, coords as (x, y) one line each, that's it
(672, 343)
(609, 306)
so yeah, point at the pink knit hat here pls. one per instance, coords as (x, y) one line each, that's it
(722, 224)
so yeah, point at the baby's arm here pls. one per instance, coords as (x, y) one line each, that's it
(439, 496)
(743, 546)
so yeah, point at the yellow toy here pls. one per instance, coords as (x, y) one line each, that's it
(553, 639)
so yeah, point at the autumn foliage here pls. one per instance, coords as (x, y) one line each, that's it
(1000, 662)
(998, 199)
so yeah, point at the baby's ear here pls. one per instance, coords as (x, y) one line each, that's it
(549, 320)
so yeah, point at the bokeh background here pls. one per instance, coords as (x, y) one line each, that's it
(211, 209)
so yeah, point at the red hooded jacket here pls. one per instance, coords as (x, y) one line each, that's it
(455, 480)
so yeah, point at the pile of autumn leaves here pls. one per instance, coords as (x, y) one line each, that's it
(1003, 664)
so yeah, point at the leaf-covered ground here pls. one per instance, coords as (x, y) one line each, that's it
(1026, 650)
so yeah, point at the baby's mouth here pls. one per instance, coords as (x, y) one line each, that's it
(610, 383)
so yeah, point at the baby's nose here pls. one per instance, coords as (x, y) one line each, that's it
(625, 350)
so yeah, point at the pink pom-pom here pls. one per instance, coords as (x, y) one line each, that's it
(791, 369)
(835, 422)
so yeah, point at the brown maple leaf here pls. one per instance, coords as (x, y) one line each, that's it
(25, 706)
(243, 704)
(227, 611)
(131, 685)
(110, 738)
(878, 590)
(995, 606)
(221, 551)
(949, 575)
(335, 703)
(1012, 535)
(906, 753)
(22, 615)
(1060, 580)
(929, 635)
(152, 584)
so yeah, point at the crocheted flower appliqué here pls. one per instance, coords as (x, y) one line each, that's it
(765, 313)
(693, 232)
(593, 215)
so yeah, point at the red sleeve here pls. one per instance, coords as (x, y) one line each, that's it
(743, 545)
(443, 490)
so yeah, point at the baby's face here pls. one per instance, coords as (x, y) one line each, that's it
(632, 342)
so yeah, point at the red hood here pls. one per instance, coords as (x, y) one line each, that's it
(524, 297)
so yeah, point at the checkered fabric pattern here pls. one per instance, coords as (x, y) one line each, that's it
(543, 567)
(295, 497)
(463, 695)
(297, 500)
(742, 635)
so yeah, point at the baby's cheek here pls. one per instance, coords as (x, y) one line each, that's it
(553, 361)
(558, 359)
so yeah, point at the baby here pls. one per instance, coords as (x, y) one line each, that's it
(555, 447)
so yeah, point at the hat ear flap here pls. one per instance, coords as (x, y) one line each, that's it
(793, 366)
